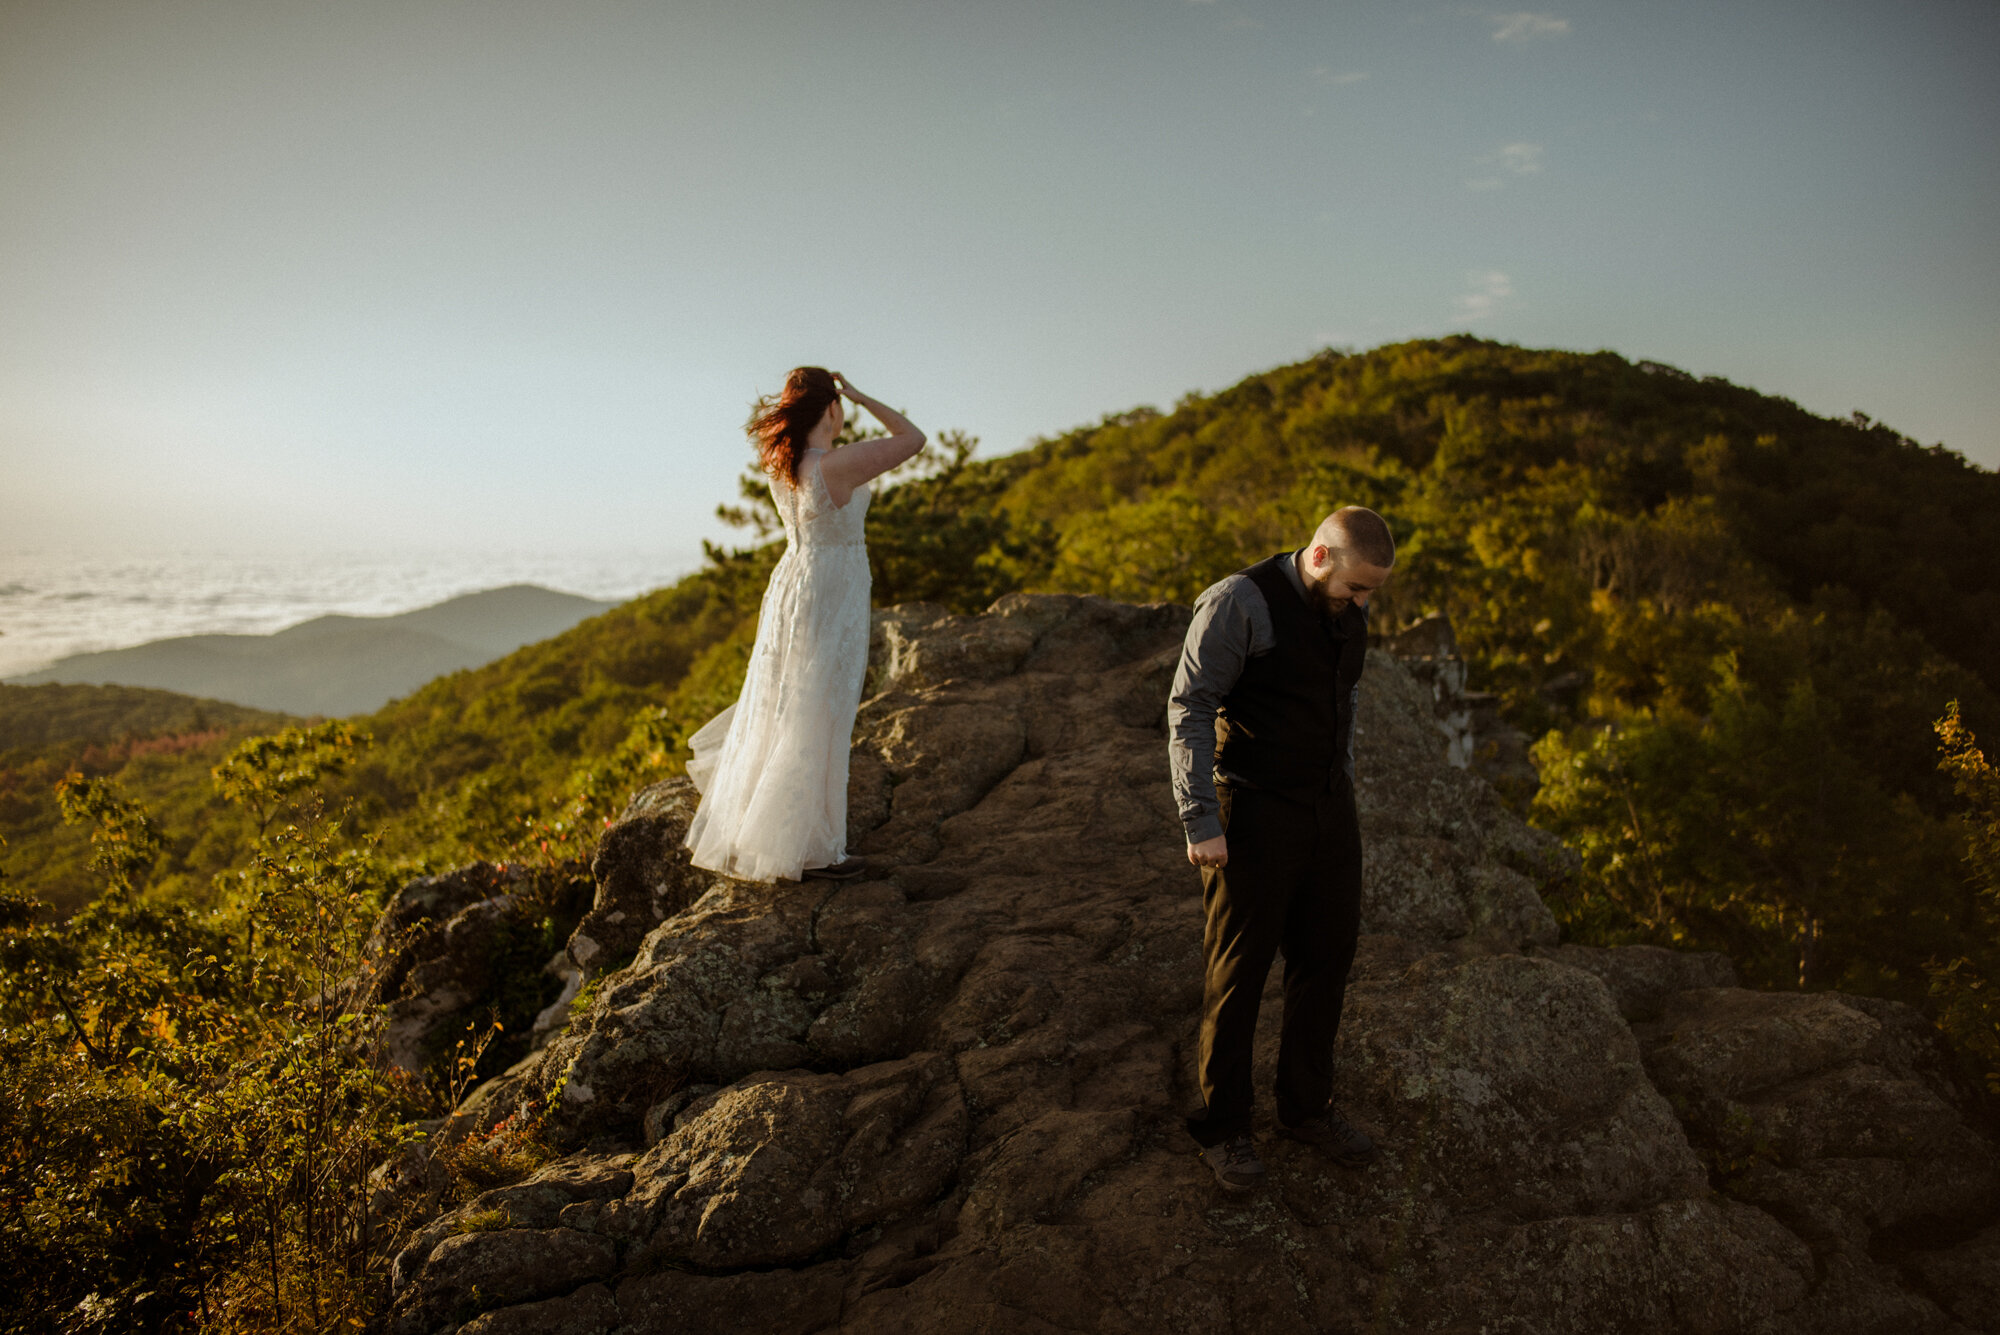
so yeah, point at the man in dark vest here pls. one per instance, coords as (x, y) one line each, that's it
(1261, 733)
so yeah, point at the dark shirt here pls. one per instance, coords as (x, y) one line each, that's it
(1231, 625)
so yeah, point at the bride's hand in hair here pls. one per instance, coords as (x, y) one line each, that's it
(863, 460)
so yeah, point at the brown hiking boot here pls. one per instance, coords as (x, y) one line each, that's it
(1235, 1164)
(1333, 1134)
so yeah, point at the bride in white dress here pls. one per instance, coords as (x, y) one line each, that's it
(772, 768)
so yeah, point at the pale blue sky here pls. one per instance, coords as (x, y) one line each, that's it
(339, 275)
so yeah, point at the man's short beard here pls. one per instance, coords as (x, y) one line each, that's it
(1316, 592)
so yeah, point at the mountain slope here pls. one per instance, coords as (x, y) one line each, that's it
(159, 745)
(1476, 447)
(1731, 624)
(336, 665)
(54, 715)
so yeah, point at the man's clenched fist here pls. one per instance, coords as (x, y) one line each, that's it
(1210, 852)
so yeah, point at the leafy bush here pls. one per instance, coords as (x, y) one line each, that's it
(1966, 987)
(191, 1102)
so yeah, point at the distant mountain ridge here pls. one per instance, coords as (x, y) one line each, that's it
(54, 715)
(336, 665)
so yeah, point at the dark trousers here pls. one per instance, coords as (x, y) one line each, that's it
(1293, 883)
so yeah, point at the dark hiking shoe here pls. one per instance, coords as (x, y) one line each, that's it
(1235, 1164)
(1336, 1136)
(845, 870)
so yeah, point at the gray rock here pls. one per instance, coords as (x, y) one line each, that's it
(642, 873)
(947, 1097)
(1642, 978)
(1830, 1111)
(777, 1168)
(541, 1200)
(469, 1273)
(591, 1310)
(755, 1302)
(1965, 1279)
(1527, 1087)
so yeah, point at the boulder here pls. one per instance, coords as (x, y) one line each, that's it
(776, 1168)
(1526, 1085)
(1643, 978)
(1834, 1113)
(470, 1273)
(1964, 1278)
(591, 1310)
(448, 954)
(642, 875)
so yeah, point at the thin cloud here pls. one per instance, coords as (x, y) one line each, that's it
(1518, 159)
(1488, 290)
(1524, 27)
(1325, 75)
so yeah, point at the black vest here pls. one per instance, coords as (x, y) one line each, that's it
(1285, 722)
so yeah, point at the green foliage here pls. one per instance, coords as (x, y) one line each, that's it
(1165, 548)
(1977, 785)
(158, 747)
(190, 1101)
(1747, 827)
(485, 1221)
(265, 772)
(52, 714)
(939, 536)
(1966, 988)
(122, 834)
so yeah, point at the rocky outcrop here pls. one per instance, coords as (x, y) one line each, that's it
(457, 953)
(1833, 1114)
(947, 1097)
(642, 875)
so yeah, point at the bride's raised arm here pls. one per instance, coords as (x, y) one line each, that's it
(851, 465)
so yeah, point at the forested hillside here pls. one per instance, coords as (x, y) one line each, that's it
(1733, 625)
(1736, 630)
(159, 744)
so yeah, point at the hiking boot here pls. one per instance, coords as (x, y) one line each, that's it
(1333, 1134)
(844, 870)
(1235, 1164)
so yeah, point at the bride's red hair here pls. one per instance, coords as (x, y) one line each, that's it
(780, 422)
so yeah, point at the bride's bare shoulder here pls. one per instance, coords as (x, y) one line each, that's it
(831, 483)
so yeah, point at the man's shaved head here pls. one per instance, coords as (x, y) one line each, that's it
(1348, 559)
(1356, 535)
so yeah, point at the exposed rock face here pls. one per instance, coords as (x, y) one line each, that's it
(1834, 1114)
(1643, 978)
(642, 875)
(445, 945)
(947, 1097)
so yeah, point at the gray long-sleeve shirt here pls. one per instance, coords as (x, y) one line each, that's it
(1232, 624)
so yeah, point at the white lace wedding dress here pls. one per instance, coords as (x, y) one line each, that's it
(772, 768)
